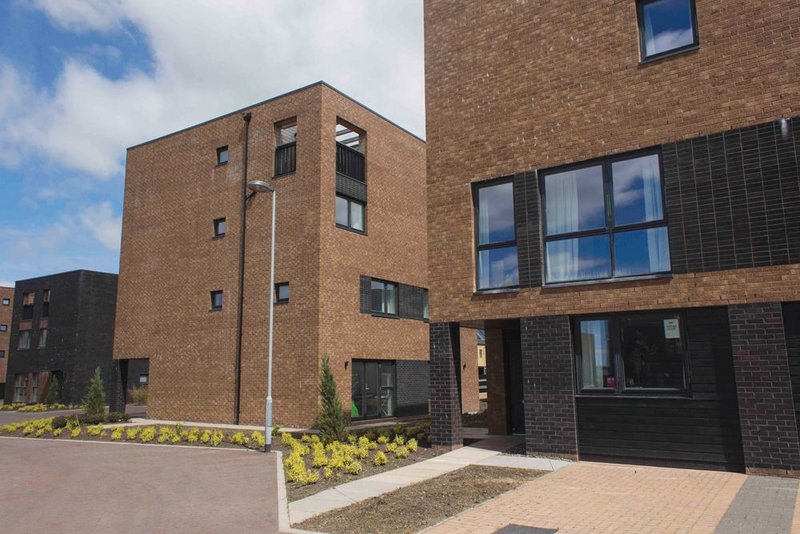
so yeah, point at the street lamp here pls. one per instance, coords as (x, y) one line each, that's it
(260, 186)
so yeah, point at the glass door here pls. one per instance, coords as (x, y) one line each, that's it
(373, 389)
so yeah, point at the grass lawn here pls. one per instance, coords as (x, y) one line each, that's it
(421, 505)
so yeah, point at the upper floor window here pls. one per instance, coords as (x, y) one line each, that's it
(2, 354)
(220, 227)
(3, 328)
(605, 220)
(350, 151)
(28, 300)
(425, 311)
(282, 292)
(285, 147)
(46, 303)
(666, 27)
(42, 338)
(383, 297)
(222, 155)
(349, 213)
(496, 238)
(24, 340)
(216, 300)
(6, 302)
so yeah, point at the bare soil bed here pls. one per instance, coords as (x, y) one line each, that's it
(421, 505)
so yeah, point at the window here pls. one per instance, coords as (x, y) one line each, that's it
(3, 328)
(2, 354)
(666, 27)
(631, 352)
(222, 155)
(35, 387)
(425, 312)
(383, 297)
(496, 236)
(216, 300)
(28, 300)
(46, 303)
(349, 213)
(373, 389)
(143, 378)
(6, 302)
(282, 292)
(350, 149)
(24, 340)
(605, 220)
(21, 388)
(42, 338)
(285, 147)
(220, 227)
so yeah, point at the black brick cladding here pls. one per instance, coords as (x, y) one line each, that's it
(764, 388)
(445, 401)
(548, 386)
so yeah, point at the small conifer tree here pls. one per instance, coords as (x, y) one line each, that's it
(95, 402)
(51, 397)
(330, 417)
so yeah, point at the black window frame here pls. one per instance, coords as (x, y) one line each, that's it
(220, 151)
(643, 57)
(350, 202)
(217, 222)
(426, 310)
(2, 354)
(615, 321)
(278, 286)
(476, 187)
(221, 294)
(379, 364)
(382, 313)
(610, 227)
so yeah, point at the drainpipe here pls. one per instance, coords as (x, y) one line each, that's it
(240, 311)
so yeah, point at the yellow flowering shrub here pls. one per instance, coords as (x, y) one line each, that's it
(216, 438)
(318, 455)
(131, 433)
(379, 458)
(412, 445)
(391, 447)
(57, 432)
(238, 438)
(116, 434)
(147, 434)
(258, 438)
(75, 432)
(354, 467)
(401, 452)
(205, 437)
(400, 440)
(95, 430)
(327, 473)
(383, 440)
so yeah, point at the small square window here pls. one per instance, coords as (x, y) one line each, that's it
(666, 27)
(220, 227)
(6, 302)
(282, 292)
(2, 354)
(216, 300)
(222, 155)
(3, 328)
(143, 378)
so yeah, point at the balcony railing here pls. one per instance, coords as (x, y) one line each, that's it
(285, 159)
(349, 162)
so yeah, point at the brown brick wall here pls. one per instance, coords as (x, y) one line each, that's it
(170, 261)
(5, 337)
(470, 403)
(514, 86)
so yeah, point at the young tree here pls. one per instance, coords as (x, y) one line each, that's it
(95, 402)
(52, 395)
(330, 417)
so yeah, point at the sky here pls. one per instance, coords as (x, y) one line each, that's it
(82, 80)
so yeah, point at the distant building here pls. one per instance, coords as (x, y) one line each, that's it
(6, 308)
(62, 326)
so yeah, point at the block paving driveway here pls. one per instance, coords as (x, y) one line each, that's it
(65, 486)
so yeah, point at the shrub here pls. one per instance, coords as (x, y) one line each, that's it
(95, 402)
(383, 440)
(216, 438)
(362, 452)
(353, 468)
(319, 459)
(116, 417)
(412, 445)
(330, 417)
(116, 434)
(131, 433)
(138, 395)
(205, 437)
(351, 439)
(194, 435)
(39, 433)
(57, 432)
(95, 430)
(327, 473)
(391, 447)
(305, 438)
(86, 419)
(276, 430)
(75, 432)
(401, 452)
(379, 459)
(147, 434)
(59, 421)
(73, 423)
(238, 438)
(400, 440)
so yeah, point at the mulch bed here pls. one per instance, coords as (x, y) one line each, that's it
(296, 491)
(421, 505)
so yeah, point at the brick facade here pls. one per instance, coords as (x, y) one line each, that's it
(445, 385)
(764, 389)
(5, 337)
(548, 386)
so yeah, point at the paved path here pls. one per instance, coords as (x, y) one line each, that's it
(67, 486)
(15, 417)
(485, 452)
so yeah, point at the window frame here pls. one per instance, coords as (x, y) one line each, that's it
(2, 354)
(6, 301)
(216, 224)
(426, 305)
(3, 327)
(615, 321)
(278, 299)
(213, 293)
(476, 187)
(606, 163)
(220, 150)
(19, 339)
(381, 313)
(643, 57)
(379, 364)
(350, 202)
(42, 343)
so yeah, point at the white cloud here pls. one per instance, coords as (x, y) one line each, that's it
(669, 40)
(209, 57)
(99, 220)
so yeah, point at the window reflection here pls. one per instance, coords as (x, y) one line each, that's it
(666, 25)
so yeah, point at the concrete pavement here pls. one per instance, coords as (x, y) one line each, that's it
(69, 486)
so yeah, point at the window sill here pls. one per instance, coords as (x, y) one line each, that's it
(352, 230)
(666, 55)
(556, 285)
(284, 175)
(217, 237)
(384, 315)
(497, 291)
(215, 310)
(281, 302)
(220, 165)
(655, 394)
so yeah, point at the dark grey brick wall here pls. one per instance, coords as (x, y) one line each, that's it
(445, 385)
(410, 299)
(764, 388)
(413, 380)
(548, 386)
(732, 199)
(351, 188)
(526, 217)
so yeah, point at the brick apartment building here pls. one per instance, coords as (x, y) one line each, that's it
(6, 306)
(62, 325)
(350, 271)
(613, 194)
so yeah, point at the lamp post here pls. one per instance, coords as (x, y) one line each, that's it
(260, 186)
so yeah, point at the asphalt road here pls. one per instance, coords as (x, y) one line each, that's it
(67, 486)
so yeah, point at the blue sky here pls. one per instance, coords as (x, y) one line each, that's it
(81, 80)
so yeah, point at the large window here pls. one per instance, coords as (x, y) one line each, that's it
(349, 213)
(42, 338)
(383, 297)
(666, 27)
(46, 303)
(28, 300)
(373, 389)
(285, 147)
(21, 388)
(24, 340)
(631, 353)
(605, 220)
(496, 236)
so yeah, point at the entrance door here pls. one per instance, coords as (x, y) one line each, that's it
(373, 389)
(514, 397)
